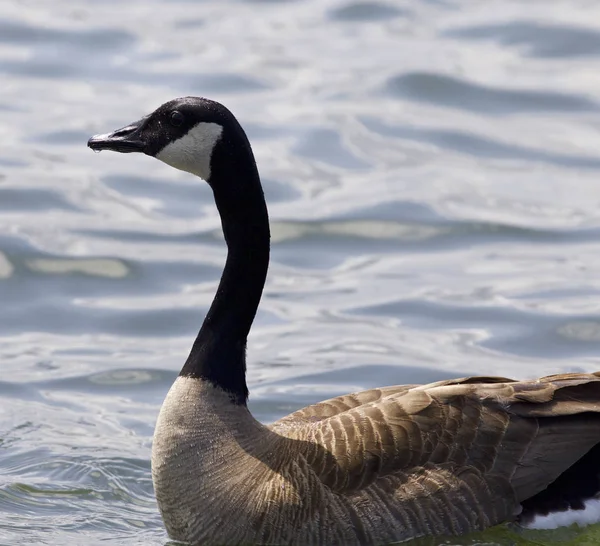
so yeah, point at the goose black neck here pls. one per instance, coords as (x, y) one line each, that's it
(219, 352)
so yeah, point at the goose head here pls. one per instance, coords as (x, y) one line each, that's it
(186, 133)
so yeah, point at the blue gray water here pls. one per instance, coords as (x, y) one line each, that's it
(433, 174)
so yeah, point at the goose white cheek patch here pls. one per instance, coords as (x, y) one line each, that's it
(193, 151)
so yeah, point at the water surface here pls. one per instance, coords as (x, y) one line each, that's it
(432, 173)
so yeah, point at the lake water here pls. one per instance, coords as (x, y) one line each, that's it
(433, 175)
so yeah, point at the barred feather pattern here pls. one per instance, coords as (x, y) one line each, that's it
(372, 467)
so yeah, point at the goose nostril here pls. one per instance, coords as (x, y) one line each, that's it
(124, 131)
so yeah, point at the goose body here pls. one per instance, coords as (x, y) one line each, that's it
(373, 467)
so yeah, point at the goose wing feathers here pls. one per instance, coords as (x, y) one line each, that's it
(333, 406)
(485, 443)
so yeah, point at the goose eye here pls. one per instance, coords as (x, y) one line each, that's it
(176, 118)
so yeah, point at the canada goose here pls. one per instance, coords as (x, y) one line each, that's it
(372, 467)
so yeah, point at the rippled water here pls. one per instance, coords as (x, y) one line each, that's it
(433, 177)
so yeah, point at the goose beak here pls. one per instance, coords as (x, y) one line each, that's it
(125, 140)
